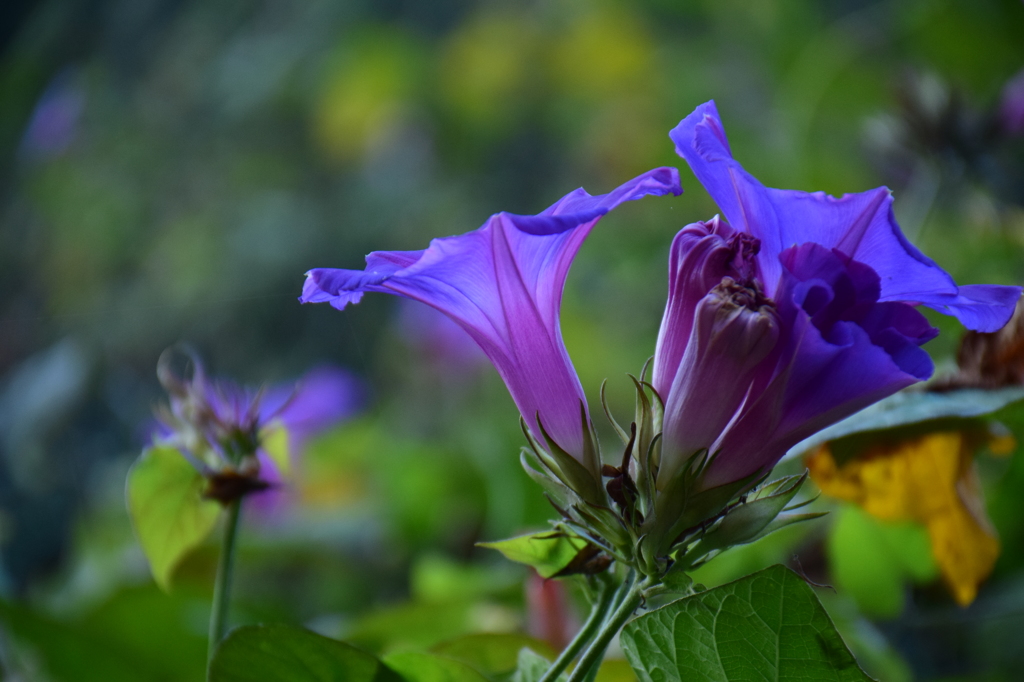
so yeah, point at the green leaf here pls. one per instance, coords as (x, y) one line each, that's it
(283, 653)
(491, 654)
(766, 626)
(872, 561)
(531, 667)
(170, 516)
(414, 666)
(913, 407)
(547, 552)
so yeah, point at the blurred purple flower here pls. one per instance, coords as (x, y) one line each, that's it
(791, 316)
(443, 342)
(53, 123)
(224, 428)
(502, 283)
(324, 396)
(1011, 105)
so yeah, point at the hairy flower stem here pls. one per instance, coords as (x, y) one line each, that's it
(630, 597)
(602, 603)
(222, 586)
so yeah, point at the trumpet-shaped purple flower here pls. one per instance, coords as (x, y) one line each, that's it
(503, 284)
(794, 314)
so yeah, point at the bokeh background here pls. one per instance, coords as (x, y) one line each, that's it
(169, 169)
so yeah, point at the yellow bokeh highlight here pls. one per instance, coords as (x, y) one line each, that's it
(486, 69)
(366, 95)
(930, 480)
(603, 53)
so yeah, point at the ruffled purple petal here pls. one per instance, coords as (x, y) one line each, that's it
(981, 307)
(843, 353)
(503, 284)
(860, 225)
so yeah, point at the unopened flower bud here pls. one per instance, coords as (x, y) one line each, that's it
(735, 329)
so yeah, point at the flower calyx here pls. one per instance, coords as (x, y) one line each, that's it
(654, 529)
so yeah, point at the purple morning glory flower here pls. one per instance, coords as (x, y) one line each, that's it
(502, 283)
(794, 314)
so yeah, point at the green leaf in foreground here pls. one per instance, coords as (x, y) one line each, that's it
(283, 653)
(548, 552)
(168, 511)
(767, 626)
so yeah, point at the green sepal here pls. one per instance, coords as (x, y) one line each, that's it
(645, 432)
(780, 522)
(748, 521)
(621, 432)
(558, 493)
(657, 408)
(565, 467)
(604, 522)
(591, 446)
(707, 504)
(548, 553)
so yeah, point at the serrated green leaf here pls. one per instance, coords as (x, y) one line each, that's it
(283, 653)
(531, 667)
(170, 516)
(414, 666)
(547, 552)
(913, 407)
(766, 626)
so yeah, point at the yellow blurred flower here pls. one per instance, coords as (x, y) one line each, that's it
(929, 479)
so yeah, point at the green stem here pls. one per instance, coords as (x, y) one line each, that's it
(222, 586)
(602, 601)
(594, 654)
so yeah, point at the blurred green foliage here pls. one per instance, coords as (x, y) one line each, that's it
(168, 170)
